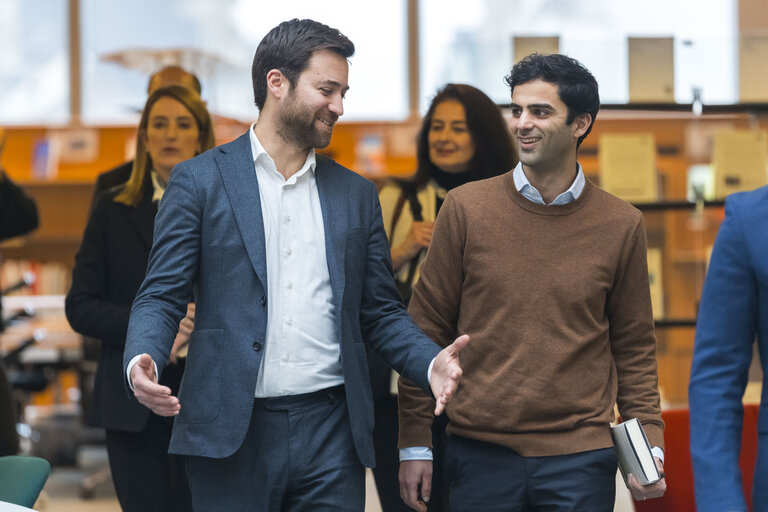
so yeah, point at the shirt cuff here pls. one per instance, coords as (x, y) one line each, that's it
(130, 366)
(415, 453)
(429, 371)
(658, 452)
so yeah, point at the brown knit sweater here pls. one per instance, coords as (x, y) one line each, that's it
(557, 304)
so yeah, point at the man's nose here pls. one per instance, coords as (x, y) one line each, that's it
(524, 121)
(337, 106)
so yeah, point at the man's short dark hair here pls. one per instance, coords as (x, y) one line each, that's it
(288, 47)
(575, 84)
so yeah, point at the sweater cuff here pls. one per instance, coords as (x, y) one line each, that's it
(655, 435)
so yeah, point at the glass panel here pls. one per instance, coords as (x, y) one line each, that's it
(34, 62)
(475, 45)
(217, 40)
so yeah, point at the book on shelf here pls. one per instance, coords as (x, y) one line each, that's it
(634, 452)
(628, 166)
(655, 281)
(739, 161)
(50, 278)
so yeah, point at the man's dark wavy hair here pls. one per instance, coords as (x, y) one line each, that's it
(575, 84)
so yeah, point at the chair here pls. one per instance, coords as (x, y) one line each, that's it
(677, 466)
(22, 479)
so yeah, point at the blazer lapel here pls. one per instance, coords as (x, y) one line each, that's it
(333, 203)
(142, 216)
(235, 161)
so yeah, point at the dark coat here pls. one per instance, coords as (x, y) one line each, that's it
(109, 269)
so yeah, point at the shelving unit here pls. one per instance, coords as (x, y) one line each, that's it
(683, 230)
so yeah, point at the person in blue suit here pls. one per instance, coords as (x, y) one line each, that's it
(285, 254)
(733, 313)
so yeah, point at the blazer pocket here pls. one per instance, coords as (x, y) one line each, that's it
(200, 391)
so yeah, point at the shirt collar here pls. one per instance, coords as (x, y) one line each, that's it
(529, 191)
(262, 159)
(158, 189)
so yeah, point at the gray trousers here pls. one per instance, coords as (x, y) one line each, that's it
(298, 455)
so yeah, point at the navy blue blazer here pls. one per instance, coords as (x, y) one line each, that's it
(733, 310)
(209, 239)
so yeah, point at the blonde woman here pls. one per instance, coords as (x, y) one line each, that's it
(109, 269)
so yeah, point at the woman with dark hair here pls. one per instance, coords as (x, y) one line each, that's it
(109, 269)
(463, 138)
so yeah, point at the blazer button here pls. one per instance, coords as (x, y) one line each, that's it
(264, 301)
(257, 346)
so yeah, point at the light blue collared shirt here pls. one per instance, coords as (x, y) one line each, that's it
(529, 192)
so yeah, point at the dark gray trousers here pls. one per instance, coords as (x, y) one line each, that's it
(493, 478)
(298, 455)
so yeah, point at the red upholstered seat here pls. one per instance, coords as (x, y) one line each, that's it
(679, 496)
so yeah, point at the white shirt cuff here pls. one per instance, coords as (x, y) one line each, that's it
(415, 453)
(130, 366)
(429, 371)
(658, 452)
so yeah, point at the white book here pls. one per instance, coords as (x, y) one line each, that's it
(634, 452)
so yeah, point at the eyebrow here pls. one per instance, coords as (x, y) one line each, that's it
(163, 116)
(452, 121)
(533, 105)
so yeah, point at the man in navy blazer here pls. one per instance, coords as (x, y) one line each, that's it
(286, 256)
(733, 311)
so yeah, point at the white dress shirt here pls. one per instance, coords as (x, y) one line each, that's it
(302, 351)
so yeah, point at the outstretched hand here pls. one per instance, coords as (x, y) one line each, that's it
(446, 373)
(147, 390)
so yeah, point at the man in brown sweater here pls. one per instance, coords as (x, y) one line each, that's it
(547, 273)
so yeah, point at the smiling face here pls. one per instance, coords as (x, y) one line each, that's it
(451, 146)
(308, 112)
(543, 139)
(171, 136)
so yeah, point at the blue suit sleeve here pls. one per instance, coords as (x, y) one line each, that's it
(162, 300)
(725, 333)
(385, 323)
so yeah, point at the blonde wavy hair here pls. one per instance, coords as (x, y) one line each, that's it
(142, 163)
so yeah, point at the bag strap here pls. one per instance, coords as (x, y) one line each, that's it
(416, 212)
(396, 215)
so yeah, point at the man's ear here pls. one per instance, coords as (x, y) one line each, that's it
(581, 124)
(277, 83)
